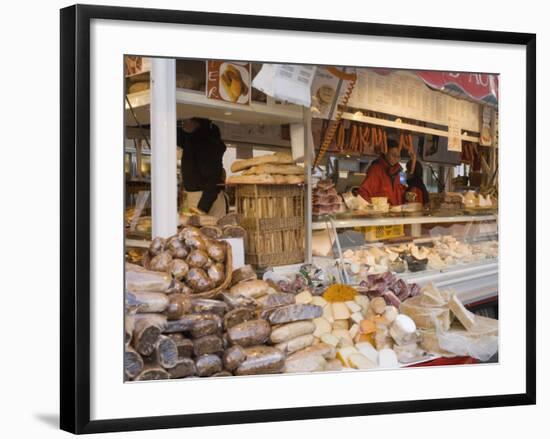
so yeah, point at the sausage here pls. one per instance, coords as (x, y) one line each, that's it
(208, 365)
(216, 251)
(261, 360)
(292, 330)
(143, 302)
(179, 304)
(209, 344)
(233, 357)
(243, 274)
(250, 333)
(253, 289)
(237, 316)
(194, 323)
(161, 262)
(179, 269)
(295, 344)
(276, 299)
(292, 313)
(141, 279)
(217, 307)
(157, 246)
(184, 368)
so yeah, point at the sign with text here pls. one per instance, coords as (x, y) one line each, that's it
(228, 81)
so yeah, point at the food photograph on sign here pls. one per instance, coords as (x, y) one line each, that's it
(284, 219)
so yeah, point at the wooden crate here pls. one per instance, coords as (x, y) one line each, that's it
(273, 216)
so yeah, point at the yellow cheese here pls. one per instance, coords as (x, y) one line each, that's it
(341, 324)
(304, 297)
(465, 317)
(344, 353)
(354, 330)
(359, 361)
(319, 301)
(344, 336)
(327, 313)
(340, 311)
(330, 339)
(322, 326)
(353, 306)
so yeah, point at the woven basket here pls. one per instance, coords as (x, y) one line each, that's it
(228, 272)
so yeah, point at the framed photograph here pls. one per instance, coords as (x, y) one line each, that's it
(277, 218)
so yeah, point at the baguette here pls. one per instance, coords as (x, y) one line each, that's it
(274, 169)
(280, 158)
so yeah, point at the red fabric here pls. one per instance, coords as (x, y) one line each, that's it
(383, 181)
(442, 361)
(418, 192)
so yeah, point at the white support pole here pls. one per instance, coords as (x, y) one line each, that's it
(163, 147)
(308, 151)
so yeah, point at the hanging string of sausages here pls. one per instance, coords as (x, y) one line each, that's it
(337, 123)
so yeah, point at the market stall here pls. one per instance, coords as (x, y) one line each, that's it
(303, 274)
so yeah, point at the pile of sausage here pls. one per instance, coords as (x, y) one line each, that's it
(250, 328)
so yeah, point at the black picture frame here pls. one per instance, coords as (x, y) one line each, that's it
(75, 217)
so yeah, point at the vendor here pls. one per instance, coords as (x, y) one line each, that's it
(383, 177)
(202, 165)
(415, 184)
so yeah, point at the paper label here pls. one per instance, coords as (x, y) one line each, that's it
(455, 137)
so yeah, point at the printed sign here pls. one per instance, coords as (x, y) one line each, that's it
(455, 138)
(228, 81)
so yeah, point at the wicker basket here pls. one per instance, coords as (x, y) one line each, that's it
(273, 216)
(228, 272)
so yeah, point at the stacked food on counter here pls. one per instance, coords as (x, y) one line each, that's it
(457, 201)
(441, 253)
(189, 314)
(278, 168)
(325, 199)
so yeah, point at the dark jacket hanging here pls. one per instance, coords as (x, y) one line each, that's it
(202, 161)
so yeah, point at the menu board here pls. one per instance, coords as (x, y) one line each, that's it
(404, 94)
(228, 81)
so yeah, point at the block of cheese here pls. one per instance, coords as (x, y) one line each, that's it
(363, 302)
(431, 296)
(343, 335)
(319, 301)
(465, 317)
(354, 330)
(387, 359)
(330, 339)
(353, 306)
(378, 305)
(340, 311)
(322, 326)
(390, 314)
(359, 361)
(368, 351)
(403, 329)
(304, 297)
(344, 353)
(327, 313)
(357, 317)
(367, 326)
(341, 324)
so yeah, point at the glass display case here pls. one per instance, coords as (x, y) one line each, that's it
(458, 252)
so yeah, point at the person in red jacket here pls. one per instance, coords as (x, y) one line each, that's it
(415, 184)
(382, 178)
